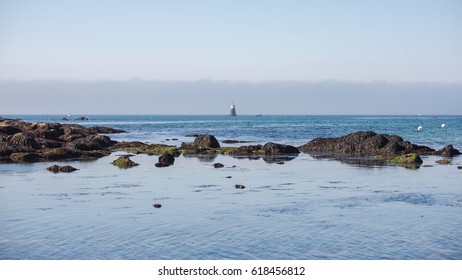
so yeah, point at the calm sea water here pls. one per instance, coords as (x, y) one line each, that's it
(307, 208)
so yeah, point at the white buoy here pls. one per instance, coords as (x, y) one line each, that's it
(419, 128)
(443, 125)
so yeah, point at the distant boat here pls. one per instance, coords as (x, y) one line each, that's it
(233, 110)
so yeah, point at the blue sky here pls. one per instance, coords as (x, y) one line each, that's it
(354, 52)
(232, 40)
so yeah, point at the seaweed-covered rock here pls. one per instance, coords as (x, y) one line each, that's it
(207, 141)
(124, 162)
(411, 158)
(65, 168)
(249, 150)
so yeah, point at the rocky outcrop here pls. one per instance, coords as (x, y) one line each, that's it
(366, 144)
(206, 141)
(448, 151)
(27, 142)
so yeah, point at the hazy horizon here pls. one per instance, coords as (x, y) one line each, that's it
(196, 57)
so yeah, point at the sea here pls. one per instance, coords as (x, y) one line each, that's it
(306, 207)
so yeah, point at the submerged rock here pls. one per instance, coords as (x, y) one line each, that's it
(238, 186)
(218, 165)
(124, 162)
(443, 161)
(157, 205)
(65, 168)
(165, 160)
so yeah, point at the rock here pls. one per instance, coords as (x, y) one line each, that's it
(81, 119)
(237, 186)
(411, 158)
(278, 149)
(366, 143)
(207, 141)
(459, 167)
(165, 160)
(64, 119)
(174, 139)
(218, 165)
(448, 151)
(124, 162)
(280, 162)
(157, 205)
(57, 168)
(229, 141)
(443, 161)
(105, 130)
(24, 157)
(250, 150)
(23, 142)
(229, 177)
(192, 135)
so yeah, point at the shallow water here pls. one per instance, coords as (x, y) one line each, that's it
(306, 208)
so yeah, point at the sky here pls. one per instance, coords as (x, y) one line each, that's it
(243, 51)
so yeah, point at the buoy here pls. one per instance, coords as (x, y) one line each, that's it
(419, 128)
(443, 125)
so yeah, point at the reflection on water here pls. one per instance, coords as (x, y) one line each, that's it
(309, 207)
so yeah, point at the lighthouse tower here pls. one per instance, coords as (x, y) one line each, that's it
(233, 110)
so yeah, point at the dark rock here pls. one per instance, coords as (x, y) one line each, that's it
(57, 168)
(207, 141)
(124, 162)
(192, 135)
(60, 154)
(448, 151)
(65, 119)
(105, 130)
(239, 186)
(23, 139)
(165, 160)
(81, 119)
(367, 144)
(443, 161)
(280, 162)
(91, 143)
(250, 150)
(218, 165)
(229, 141)
(9, 129)
(24, 157)
(229, 177)
(459, 167)
(174, 139)
(278, 149)
(157, 205)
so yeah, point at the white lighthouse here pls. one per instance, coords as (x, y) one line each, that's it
(232, 110)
